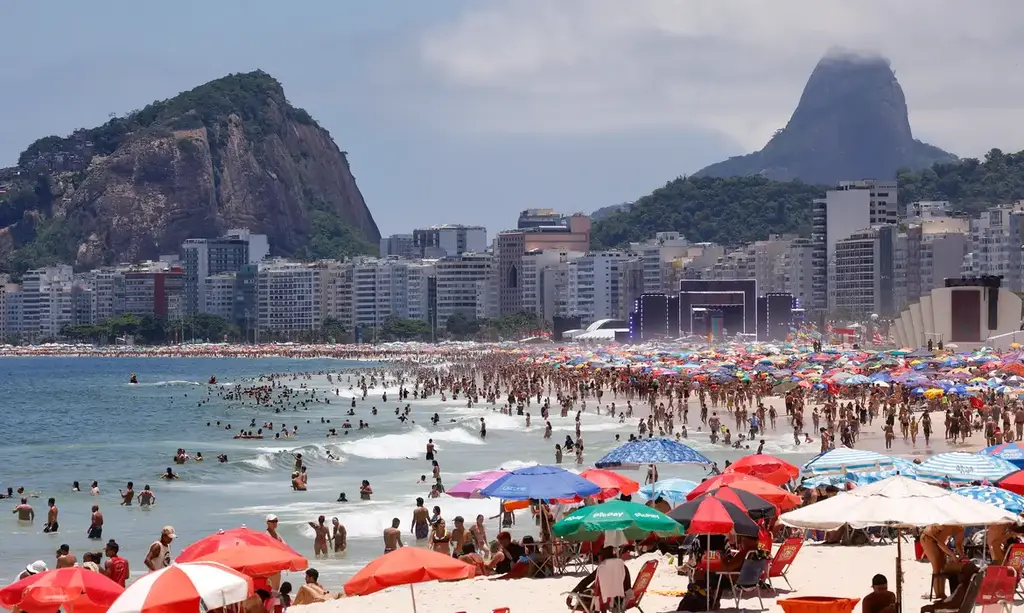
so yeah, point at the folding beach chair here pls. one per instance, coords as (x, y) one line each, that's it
(748, 579)
(997, 589)
(640, 584)
(587, 601)
(783, 560)
(1015, 559)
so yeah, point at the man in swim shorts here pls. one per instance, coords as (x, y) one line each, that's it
(51, 516)
(420, 523)
(393, 536)
(96, 524)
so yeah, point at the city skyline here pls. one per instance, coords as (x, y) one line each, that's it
(584, 104)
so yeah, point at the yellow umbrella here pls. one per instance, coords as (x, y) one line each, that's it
(933, 394)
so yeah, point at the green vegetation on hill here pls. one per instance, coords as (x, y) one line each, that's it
(970, 185)
(728, 211)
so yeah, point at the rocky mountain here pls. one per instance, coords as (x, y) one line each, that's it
(230, 153)
(851, 123)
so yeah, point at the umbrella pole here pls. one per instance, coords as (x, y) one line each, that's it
(899, 570)
(412, 593)
(707, 573)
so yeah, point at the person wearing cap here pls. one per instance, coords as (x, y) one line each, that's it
(33, 569)
(880, 600)
(159, 554)
(272, 528)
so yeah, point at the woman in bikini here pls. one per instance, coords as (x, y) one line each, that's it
(440, 540)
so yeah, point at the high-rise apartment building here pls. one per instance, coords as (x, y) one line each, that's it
(447, 240)
(657, 256)
(603, 285)
(509, 249)
(398, 245)
(851, 207)
(864, 273)
(996, 245)
(204, 257)
(288, 296)
(463, 286)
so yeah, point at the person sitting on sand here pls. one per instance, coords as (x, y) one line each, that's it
(880, 600)
(956, 599)
(312, 591)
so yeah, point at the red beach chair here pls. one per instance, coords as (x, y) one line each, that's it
(1015, 559)
(783, 560)
(640, 584)
(997, 589)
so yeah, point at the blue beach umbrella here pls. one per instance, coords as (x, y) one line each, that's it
(823, 480)
(672, 489)
(1004, 499)
(1011, 452)
(652, 451)
(540, 483)
(843, 458)
(961, 467)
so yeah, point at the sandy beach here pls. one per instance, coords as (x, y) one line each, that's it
(819, 570)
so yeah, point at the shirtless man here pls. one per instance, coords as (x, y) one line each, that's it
(65, 559)
(51, 516)
(96, 524)
(393, 536)
(459, 535)
(321, 534)
(24, 511)
(420, 523)
(146, 497)
(127, 495)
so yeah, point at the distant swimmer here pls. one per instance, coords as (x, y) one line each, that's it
(133, 379)
(213, 380)
(170, 475)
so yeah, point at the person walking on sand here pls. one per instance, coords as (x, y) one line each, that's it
(321, 534)
(420, 521)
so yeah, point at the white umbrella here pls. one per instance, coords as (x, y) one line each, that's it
(898, 502)
(192, 586)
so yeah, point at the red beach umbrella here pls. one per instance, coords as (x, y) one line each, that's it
(776, 495)
(1013, 482)
(406, 566)
(76, 590)
(765, 467)
(256, 554)
(709, 515)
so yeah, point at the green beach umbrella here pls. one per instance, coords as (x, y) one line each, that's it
(635, 520)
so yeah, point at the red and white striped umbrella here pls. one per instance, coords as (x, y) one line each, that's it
(180, 588)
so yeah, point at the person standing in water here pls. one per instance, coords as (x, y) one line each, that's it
(51, 516)
(127, 495)
(272, 528)
(339, 535)
(146, 497)
(420, 521)
(430, 450)
(393, 536)
(483, 428)
(321, 534)
(96, 523)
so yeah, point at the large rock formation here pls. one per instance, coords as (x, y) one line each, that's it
(230, 153)
(851, 123)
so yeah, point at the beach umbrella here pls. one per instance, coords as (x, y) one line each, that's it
(256, 554)
(611, 483)
(635, 520)
(1013, 482)
(1004, 499)
(752, 504)
(709, 515)
(739, 481)
(672, 489)
(76, 590)
(961, 467)
(185, 588)
(470, 486)
(540, 483)
(652, 451)
(900, 503)
(1011, 452)
(765, 467)
(845, 459)
(407, 566)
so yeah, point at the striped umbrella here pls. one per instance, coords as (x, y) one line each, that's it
(194, 586)
(993, 495)
(843, 458)
(900, 467)
(961, 467)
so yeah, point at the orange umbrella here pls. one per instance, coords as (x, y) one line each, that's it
(765, 467)
(611, 483)
(256, 554)
(76, 590)
(406, 566)
(776, 495)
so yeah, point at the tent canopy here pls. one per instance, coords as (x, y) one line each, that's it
(899, 502)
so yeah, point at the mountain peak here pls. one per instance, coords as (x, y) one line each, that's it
(851, 123)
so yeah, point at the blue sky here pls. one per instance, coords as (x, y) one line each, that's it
(458, 111)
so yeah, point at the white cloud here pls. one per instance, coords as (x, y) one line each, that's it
(738, 66)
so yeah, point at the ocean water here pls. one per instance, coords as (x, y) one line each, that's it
(68, 419)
